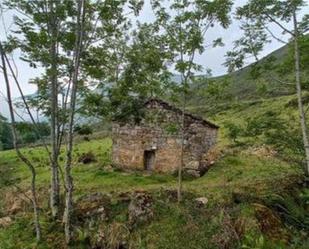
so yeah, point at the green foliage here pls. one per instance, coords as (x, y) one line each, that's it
(285, 67)
(30, 133)
(292, 208)
(185, 34)
(27, 133)
(257, 16)
(136, 71)
(44, 25)
(287, 140)
(83, 129)
(236, 171)
(257, 125)
(6, 139)
(172, 128)
(144, 75)
(233, 131)
(253, 242)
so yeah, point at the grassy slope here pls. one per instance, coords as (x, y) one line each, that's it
(234, 185)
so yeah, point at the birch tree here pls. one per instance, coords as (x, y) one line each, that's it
(261, 15)
(186, 30)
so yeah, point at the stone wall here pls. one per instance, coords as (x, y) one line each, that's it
(130, 142)
(199, 139)
(160, 131)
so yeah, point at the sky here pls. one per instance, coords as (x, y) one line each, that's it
(212, 58)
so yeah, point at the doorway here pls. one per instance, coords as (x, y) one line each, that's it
(149, 159)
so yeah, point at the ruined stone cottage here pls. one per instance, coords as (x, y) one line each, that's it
(154, 144)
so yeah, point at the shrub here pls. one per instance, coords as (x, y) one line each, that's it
(233, 131)
(83, 130)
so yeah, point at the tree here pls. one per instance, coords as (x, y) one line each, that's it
(23, 158)
(260, 14)
(108, 16)
(30, 133)
(79, 42)
(129, 68)
(144, 75)
(43, 34)
(185, 33)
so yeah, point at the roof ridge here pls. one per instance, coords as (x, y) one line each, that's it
(176, 109)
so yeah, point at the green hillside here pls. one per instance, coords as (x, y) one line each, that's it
(244, 86)
(255, 196)
(273, 76)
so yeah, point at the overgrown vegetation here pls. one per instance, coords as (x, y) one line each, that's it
(247, 188)
(99, 61)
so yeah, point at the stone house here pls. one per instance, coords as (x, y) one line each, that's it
(155, 143)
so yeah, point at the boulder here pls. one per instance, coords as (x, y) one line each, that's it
(94, 207)
(193, 165)
(140, 208)
(192, 173)
(201, 201)
(5, 221)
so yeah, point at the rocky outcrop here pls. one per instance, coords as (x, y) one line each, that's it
(140, 209)
(93, 207)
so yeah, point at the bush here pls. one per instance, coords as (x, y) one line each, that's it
(233, 131)
(83, 130)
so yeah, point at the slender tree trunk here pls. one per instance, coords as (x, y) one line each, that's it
(68, 176)
(19, 154)
(55, 186)
(299, 93)
(181, 166)
(55, 191)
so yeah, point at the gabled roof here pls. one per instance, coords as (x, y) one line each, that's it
(170, 107)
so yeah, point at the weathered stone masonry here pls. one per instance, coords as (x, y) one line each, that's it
(155, 143)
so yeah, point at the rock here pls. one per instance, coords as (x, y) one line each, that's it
(93, 207)
(193, 165)
(201, 201)
(192, 173)
(262, 151)
(140, 208)
(5, 221)
(192, 169)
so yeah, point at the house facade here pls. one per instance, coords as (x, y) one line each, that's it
(155, 144)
